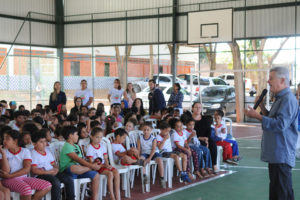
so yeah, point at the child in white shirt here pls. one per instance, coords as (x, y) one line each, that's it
(147, 146)
(15, 165)
(97, 152)
(44, 167)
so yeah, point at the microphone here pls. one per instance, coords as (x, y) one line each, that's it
(263, 94)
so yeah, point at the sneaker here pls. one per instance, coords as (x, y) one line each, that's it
(238, 158)
(146, 180)
(231, 162)
(181, 177)
(163, 183)
(186, 178)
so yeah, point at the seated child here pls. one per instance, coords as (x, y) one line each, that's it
(44, 166)
(129, 126)
(4, 192)
(165, 146)
(15, 165)
(203, 152)
(109, 124)
(221, 131)
(72, 163)
(147, 146)
(100, 116)
(179, 143)
(84, 139)
(95, 123)
(121, 155)
(227, 150)
(97, 153)
(26, 140)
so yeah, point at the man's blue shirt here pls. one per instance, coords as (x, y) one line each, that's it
(280, 130)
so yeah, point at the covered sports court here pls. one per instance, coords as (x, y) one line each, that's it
(218, 48)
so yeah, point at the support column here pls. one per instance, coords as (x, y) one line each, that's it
(59, 38)
(174, 37)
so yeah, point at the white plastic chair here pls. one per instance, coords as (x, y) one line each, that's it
(83, 143)
(153, 121)
(131, 168)
(16, 196)
(155, 132)
(124, 171)
(219, 156)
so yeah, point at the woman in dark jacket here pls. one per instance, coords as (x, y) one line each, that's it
(57, 97)
(203, 130)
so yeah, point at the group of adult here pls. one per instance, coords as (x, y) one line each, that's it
(85, 97)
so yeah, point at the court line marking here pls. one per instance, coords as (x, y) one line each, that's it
(249, 148)
(246, 137)
(252, 167)
(192, 185)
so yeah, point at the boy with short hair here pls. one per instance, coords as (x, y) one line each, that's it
(72, 162)
(44, 166)
(18, 122)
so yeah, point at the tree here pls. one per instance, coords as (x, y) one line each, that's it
(238, 79)
(210, 51)
(121, 63)
(264, 60)
(176, 52)
(151, 62)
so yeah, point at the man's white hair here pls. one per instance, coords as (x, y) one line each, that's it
(282, 72)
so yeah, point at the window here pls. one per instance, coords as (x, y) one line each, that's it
(106, 69)
(75, 68)
(202, 81)
(164, 79)
(217, 81)
(230, 77)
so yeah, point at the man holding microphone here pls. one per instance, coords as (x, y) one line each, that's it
(280, 134)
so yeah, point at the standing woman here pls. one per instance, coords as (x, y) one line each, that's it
(57, 97)
(203, 131)
(176, 97)
(115, 94)
(130, 94)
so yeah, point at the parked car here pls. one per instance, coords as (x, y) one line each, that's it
(205, 82)
(218, 97)
(160, 79)
(167, 90)
(229, 78)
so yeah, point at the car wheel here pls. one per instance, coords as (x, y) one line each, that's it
(136, 88)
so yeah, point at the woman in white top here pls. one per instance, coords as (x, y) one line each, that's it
(115, 94)
(130, 94)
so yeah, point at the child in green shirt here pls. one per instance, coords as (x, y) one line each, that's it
(72, 163)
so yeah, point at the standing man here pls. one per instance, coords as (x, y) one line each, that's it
(85, 94)
(279, 134)
(156, 98)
